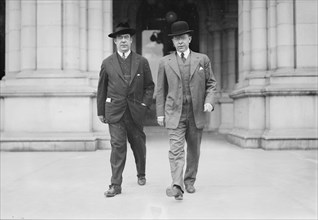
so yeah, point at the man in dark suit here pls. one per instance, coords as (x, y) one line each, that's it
(125, 91)
(185, 90)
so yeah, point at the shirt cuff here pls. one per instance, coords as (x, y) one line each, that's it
(210, 105)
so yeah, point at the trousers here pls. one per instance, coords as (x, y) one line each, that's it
(189, 133)
(120, 132)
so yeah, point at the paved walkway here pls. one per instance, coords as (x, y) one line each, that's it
(233, 183)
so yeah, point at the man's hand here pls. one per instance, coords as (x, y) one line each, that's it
(161, 120)
(102, 118)
(208, 107)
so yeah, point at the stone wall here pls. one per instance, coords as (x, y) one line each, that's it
(275, 101)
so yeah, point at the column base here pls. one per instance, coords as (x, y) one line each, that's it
(245, 138)
(294, 139)
(50, 111)
(226, 114)
(53, 142)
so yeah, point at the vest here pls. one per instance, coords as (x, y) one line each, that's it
(185, 76)
(125, 65)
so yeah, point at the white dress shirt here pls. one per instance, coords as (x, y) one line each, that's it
(126, 53)
(186, 53)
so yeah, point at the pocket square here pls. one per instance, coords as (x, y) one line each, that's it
(200, 68)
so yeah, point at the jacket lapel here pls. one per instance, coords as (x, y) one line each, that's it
(174, 64)
(134, 66)
(195, 60)
(116, 65)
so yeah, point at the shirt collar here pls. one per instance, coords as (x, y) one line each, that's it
(126, 53)
(186, 53)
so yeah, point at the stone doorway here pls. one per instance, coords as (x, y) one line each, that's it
(215, 25)
(153, 23)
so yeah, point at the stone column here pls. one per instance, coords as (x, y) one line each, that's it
(285, 34)
(231, 58)
(209, 50)
(49, 34)
(214, 27)
(95, 35)
(230, 26)
(258, 35)
(57, 107)
(244, 39)
(71, 35)
(272, 35)
(204, 34)
(291, 91)
(306, 35)
(108, 27)
(215, 34)
(28, 35)
(228, 71)
(13, 35)
(249, 103)
(217, 58)
(102, 48)
(83, 35)
(217, 118)
(224, 65)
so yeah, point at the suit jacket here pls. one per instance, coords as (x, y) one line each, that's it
(169, 88)
(114, 94)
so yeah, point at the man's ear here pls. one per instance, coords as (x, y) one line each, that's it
(190, 38)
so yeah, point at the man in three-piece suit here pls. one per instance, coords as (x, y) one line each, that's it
(185, 90)
(125, 91)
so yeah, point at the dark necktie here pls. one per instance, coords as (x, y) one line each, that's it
(182, 57)
(124, 56)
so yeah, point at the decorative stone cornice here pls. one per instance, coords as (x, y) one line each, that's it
(247, 92)
(56, 91)
(275, 90)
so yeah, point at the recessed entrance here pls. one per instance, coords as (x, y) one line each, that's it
(154, 19)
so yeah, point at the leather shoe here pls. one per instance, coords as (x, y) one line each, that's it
(190, 188)
(174, 191)
(113, 190)
(142, 180)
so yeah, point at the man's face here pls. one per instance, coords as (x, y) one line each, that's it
(123, 42)
(181, 42)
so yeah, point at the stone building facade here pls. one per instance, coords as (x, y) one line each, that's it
(263, 54)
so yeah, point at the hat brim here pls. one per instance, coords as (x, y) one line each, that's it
(126, 31)
(180, 33)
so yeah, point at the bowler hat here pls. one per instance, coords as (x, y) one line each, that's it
(122, 28)
(179, 28)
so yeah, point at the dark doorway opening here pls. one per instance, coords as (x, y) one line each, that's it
(153, 24)
(2, 38)
(159, 15)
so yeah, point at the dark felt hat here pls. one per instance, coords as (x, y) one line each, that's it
(179, 28)
(122, 28)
